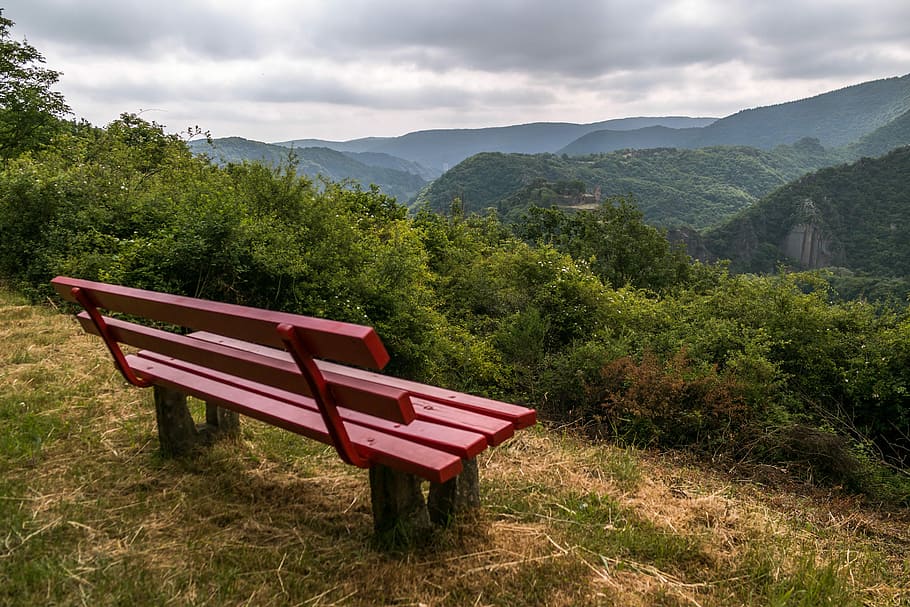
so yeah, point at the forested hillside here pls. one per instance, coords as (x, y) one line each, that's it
(884, 139)
(855, 216)
(836, 119)
(676, 180)
(671, 186)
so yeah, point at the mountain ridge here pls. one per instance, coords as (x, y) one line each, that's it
(440, 149)
(394, 176)
(836, 118)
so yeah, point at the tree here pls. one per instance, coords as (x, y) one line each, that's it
(30, 111)
(613, 239)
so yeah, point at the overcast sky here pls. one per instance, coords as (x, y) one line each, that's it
(274, 70)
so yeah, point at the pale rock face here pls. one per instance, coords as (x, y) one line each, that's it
(808, 244)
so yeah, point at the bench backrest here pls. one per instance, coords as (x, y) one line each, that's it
(339, 341)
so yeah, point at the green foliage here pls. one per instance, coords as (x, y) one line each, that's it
(613, 240)
(30, 111)
(858, 211)
(673, 186)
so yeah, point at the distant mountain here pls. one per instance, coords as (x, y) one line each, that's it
(364, 144)
(855, 216)
(672, 187)
(884, 139)
(379, 159)
(600, 142)
(836, 119)
(390, 174)
(442, 149)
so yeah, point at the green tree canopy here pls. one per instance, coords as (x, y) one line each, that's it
(30, 111)
(613, 240)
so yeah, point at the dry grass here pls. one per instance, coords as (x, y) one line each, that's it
(91, 514)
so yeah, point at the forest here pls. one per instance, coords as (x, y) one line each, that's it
(592, 316)
(673, 187)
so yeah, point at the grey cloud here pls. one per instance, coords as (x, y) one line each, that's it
(569, 39)
(137, 28)
(587, 39)
(310, 89)
(470, 58)
(824, 39)
(572, 37)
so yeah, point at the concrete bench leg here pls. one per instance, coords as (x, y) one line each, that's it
(178, 434)
(460, 494)
(224, 422)
(400, 511)
(176, 428)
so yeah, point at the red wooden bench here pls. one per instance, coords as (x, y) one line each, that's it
(274, 366)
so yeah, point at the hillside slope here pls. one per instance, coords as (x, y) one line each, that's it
(836, 119)
(884, 139)
(395, 177)
(600, 142)
(671, 186)
(855, 216)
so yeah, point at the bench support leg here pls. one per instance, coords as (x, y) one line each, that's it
(400, 512)
(179, 435)
(460, 494)
(223, 422)
(176, 428)
(399, 509)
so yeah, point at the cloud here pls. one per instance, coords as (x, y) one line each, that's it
(141, 29)
(409, 64)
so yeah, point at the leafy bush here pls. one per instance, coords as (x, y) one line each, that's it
(674, 403)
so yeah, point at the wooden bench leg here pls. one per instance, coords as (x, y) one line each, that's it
(460, 494)
(179, 434)
(399, 509)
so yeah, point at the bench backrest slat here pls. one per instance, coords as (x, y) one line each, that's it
(354, 393)
(328, 339)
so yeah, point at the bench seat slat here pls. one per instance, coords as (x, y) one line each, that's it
(341, 341)
(464, 443)
(353, 393)
(494, 429)
(381, 448)
(447, 413)
(520, 417)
